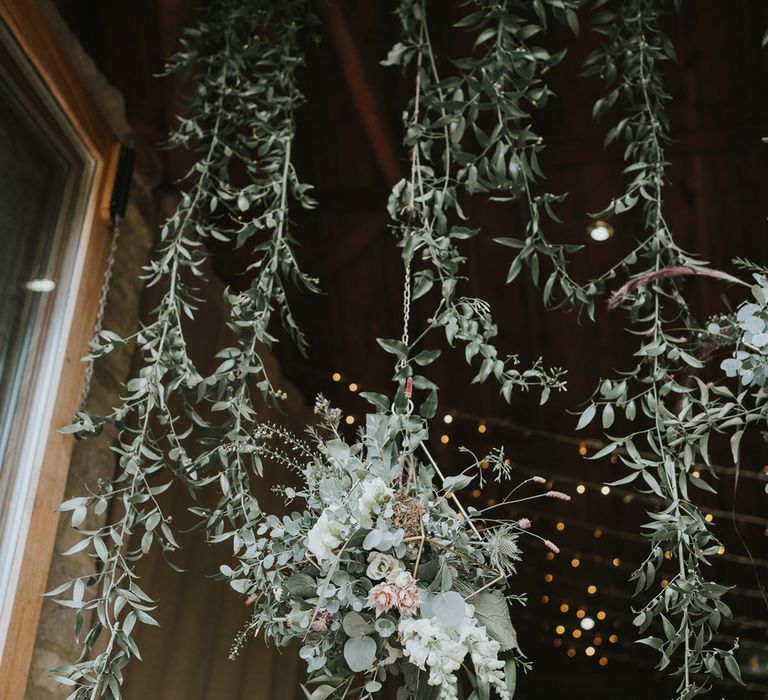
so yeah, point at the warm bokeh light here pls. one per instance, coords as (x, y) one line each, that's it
(564, 608)
(580, 613)
(581, 488)
(590, 651)
(560, 629)
(613, 638)
(616, 561)
(605, 490)
(481, 428)
(353, 387)
(582, 449)
(349, 420)
(560, 527)
(549, 578)
(601, 615)
(576, 634)
(445, 439)
(575, 563)
(448, 418)
(545, 599)
(592, 589)
(336, 377)
(571, 652)
(603, 661)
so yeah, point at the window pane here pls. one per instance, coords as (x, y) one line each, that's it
(46, 175)
(32, 178)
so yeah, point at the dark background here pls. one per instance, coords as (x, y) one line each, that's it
(716, 205)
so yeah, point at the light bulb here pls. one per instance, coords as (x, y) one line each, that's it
(600, 231)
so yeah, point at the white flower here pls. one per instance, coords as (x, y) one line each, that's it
(430, 644)
(375, 495)
(324, 537)
(427, 643)
(382, 566)
(401, 579)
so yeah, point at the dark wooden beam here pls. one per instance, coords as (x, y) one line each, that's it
(385, 147)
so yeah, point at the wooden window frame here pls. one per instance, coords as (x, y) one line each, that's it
(31, 32)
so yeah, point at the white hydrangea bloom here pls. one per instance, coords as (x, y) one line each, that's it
(373, 499)
(325, 537)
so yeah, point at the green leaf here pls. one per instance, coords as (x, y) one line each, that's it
(426, 357)
(452, 484)
(492, 611)
(355, 625)
(586, 417)
(359, 653)
(735, 442)
(449, 608)
(733, 668)
(395, 347)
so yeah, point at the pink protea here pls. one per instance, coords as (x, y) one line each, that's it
(524, 524)
(558, 494)
(381, 598)
(408, 599)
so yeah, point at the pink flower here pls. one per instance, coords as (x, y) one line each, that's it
(552, 546)
(524, 524)
(558, 494)
(321, 621)
(408, 599)
(381, 598)
(539, 479)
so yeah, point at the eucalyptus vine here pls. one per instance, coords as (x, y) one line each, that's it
(239, 118)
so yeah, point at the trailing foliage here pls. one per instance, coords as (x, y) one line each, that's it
(313, 575)
(668, 411)
(454, 153)
(239, 118)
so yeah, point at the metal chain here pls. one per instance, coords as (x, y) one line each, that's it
(406, 310)
(99, 325)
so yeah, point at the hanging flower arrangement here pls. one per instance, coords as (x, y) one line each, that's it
(382, 572)
(377, 572)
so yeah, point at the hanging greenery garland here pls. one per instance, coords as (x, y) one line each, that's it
(382, 572)
(244, 55)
